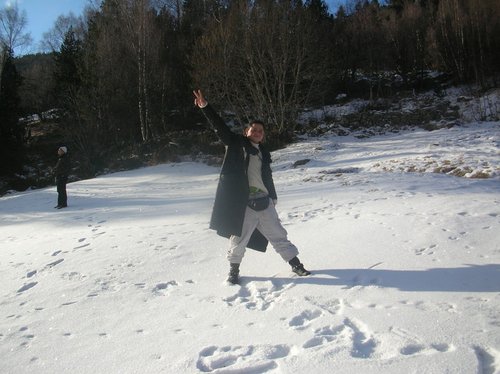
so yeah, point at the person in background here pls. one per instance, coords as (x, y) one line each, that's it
(244, 208)
(61, 172)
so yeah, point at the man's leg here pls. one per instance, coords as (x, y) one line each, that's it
(237, 244)
(59, 192)
(270, 226)
(64, 195)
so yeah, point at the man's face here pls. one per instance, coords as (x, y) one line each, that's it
(255, 132)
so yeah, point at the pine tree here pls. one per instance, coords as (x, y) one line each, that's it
(67, 75)
(11, 132)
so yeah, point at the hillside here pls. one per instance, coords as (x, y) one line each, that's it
(362, 118)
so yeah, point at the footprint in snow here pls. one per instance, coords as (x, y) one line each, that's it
(28, 337)
(82, 246)
(332, 306)
(27, 286)
(426, 250)
(161, 288)
(237, 359)
(487, 357)
(413, 345)
(361, 282)
(415, 348)
(352, 336)
(303, 319)
(323, 336)
(52, 264)
(258, 295)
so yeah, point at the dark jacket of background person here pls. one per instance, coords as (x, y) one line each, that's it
(62, 168)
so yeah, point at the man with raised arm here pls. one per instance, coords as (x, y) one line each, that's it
(244, 208)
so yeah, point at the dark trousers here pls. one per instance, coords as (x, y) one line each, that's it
(62, 197)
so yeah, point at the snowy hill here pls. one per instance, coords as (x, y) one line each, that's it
(129, 279)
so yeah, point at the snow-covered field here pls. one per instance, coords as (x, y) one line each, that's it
(129, 279)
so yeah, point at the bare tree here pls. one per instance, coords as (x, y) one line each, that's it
(12, 25)
(484, 25)
(368, 43)
(451, 30)
(53, 39)
(406, 30)
(138, 16)
(261, 60)
(466, 38)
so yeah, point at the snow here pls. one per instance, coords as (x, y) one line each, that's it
(129, 279)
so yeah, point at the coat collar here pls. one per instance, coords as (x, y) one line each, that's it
(250, 148)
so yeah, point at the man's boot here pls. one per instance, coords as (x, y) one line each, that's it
(234, 273)
(297, 267)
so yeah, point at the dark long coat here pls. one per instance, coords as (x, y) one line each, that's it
(232, 191)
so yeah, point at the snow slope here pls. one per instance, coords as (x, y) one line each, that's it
(129, 279)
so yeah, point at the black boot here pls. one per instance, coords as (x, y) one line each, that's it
(297, 267)
(234, 273)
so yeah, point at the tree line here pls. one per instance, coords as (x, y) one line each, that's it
(122, 73)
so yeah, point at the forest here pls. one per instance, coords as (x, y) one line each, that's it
(115, 84)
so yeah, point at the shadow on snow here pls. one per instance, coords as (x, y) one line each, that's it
(470, 278)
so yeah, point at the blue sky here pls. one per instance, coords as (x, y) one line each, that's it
(42, 14)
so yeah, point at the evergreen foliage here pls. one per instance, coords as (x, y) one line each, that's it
(11, 132)
(67, 69)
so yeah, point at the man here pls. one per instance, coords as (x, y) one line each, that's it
(244, 209)
(61, 172)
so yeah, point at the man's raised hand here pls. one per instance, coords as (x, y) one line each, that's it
(199, 100)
